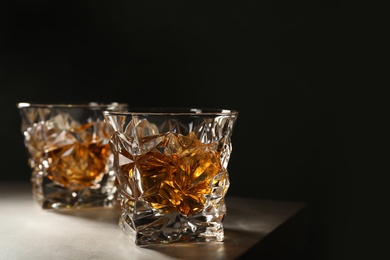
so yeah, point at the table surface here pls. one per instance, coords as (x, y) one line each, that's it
(29, 232)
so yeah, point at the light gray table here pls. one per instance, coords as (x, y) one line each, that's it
(252, 226)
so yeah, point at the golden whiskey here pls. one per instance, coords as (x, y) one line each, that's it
(177, 178)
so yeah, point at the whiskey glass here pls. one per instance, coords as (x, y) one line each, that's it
(69, 154)
(171, 168)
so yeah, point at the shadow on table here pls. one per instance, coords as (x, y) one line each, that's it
(234, 245)
(106, 215)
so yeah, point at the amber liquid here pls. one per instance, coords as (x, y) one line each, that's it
(77, 164)
(176, 174)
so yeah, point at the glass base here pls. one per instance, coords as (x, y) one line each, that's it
(147, 227)
(50, 195)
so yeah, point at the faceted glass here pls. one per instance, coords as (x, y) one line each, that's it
(69, 154)
(171, 169)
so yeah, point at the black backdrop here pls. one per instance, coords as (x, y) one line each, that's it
(279, 63)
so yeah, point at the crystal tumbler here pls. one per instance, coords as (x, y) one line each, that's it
(171, 169)
(69, 154)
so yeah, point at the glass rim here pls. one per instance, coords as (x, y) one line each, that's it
(102, 105)
(154, 111)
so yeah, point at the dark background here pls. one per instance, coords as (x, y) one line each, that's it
(281, 64)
